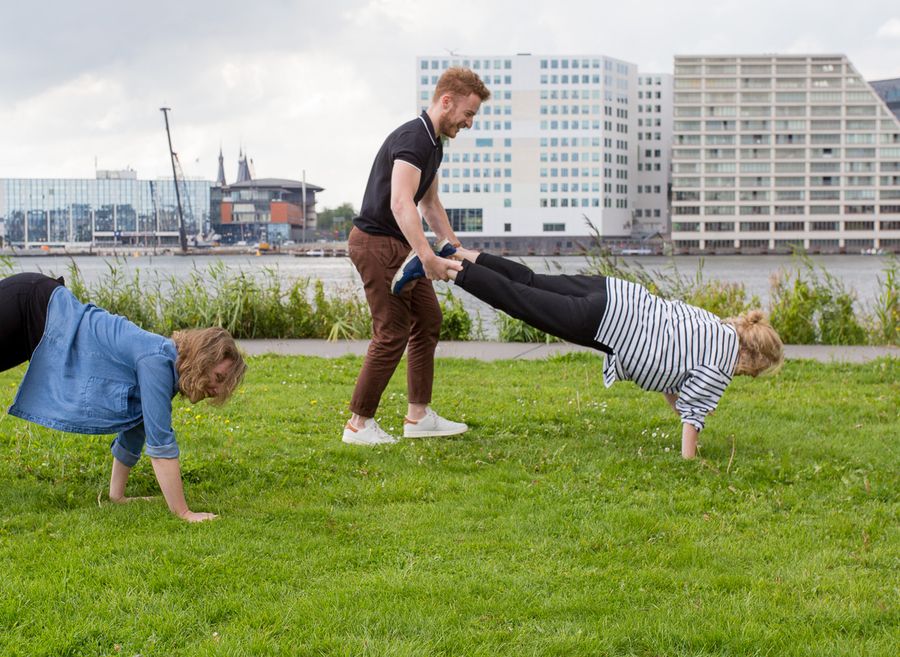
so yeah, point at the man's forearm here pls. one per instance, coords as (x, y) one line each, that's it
(410, 224)
(437, 219)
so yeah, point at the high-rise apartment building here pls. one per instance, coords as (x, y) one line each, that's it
(554, 148)
(776, 152)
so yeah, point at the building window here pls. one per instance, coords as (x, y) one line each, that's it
(465, 219)
(554, 228)
(823, 244)
(824, 225)
(788, 225)
(719, 244)
(754, 244)
(859, 225)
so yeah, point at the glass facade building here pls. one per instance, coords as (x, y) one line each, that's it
(114, 210)
(889, 90)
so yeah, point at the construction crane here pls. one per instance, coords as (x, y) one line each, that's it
(181, 182)
(154, 200)
(181, 235)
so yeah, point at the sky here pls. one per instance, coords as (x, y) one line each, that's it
(317, 86)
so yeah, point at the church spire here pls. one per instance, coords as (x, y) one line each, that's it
(220, 178)
(243, 169)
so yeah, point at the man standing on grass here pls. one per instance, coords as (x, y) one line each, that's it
(402, 182)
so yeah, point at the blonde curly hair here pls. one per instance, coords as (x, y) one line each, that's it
(761, 351)
(199, 351)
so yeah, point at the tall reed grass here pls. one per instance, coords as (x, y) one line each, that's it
(809, 305)
(248, 306)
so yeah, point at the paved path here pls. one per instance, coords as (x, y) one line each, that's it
(531, 351)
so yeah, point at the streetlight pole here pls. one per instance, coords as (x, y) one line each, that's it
(181, 236)
(303, 202)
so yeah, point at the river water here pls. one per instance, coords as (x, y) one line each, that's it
(858, 273)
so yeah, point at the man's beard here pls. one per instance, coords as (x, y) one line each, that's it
(446, 127)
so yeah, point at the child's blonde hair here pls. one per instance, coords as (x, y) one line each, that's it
(200, 350)
(762, 351)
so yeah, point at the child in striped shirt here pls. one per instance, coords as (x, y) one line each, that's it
(684, 352)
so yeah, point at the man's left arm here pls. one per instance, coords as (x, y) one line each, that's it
(435, 214)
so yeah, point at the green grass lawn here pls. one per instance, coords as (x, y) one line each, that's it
(564, 523)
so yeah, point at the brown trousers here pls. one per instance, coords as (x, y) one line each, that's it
(411, 321)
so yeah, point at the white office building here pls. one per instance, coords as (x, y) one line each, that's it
(556, 146)
(774, 152)
(654, 138)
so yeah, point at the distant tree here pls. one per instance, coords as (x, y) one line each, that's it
(336, 221)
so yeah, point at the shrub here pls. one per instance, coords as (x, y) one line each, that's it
(457, 324)
(884, 322)
(510, 329)
(793, 309)
(340, 318)
(811, 306)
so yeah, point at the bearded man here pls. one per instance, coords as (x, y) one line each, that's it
(388, 231)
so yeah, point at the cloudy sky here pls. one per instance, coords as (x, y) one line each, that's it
(318, 85)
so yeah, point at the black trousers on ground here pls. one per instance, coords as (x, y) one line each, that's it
(567, 306)
(23, 312)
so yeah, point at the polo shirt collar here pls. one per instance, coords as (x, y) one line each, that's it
(429, 126)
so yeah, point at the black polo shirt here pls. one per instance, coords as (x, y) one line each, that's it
(414, 143)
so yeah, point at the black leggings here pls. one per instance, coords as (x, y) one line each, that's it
(569, 307)
(23, 312)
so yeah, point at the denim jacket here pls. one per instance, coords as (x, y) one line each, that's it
(97, 373)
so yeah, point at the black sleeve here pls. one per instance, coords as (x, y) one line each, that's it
(408, 147)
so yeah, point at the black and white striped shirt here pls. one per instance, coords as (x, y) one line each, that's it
(667, 346)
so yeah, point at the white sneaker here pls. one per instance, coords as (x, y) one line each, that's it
(369, 434)
(431, 425)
